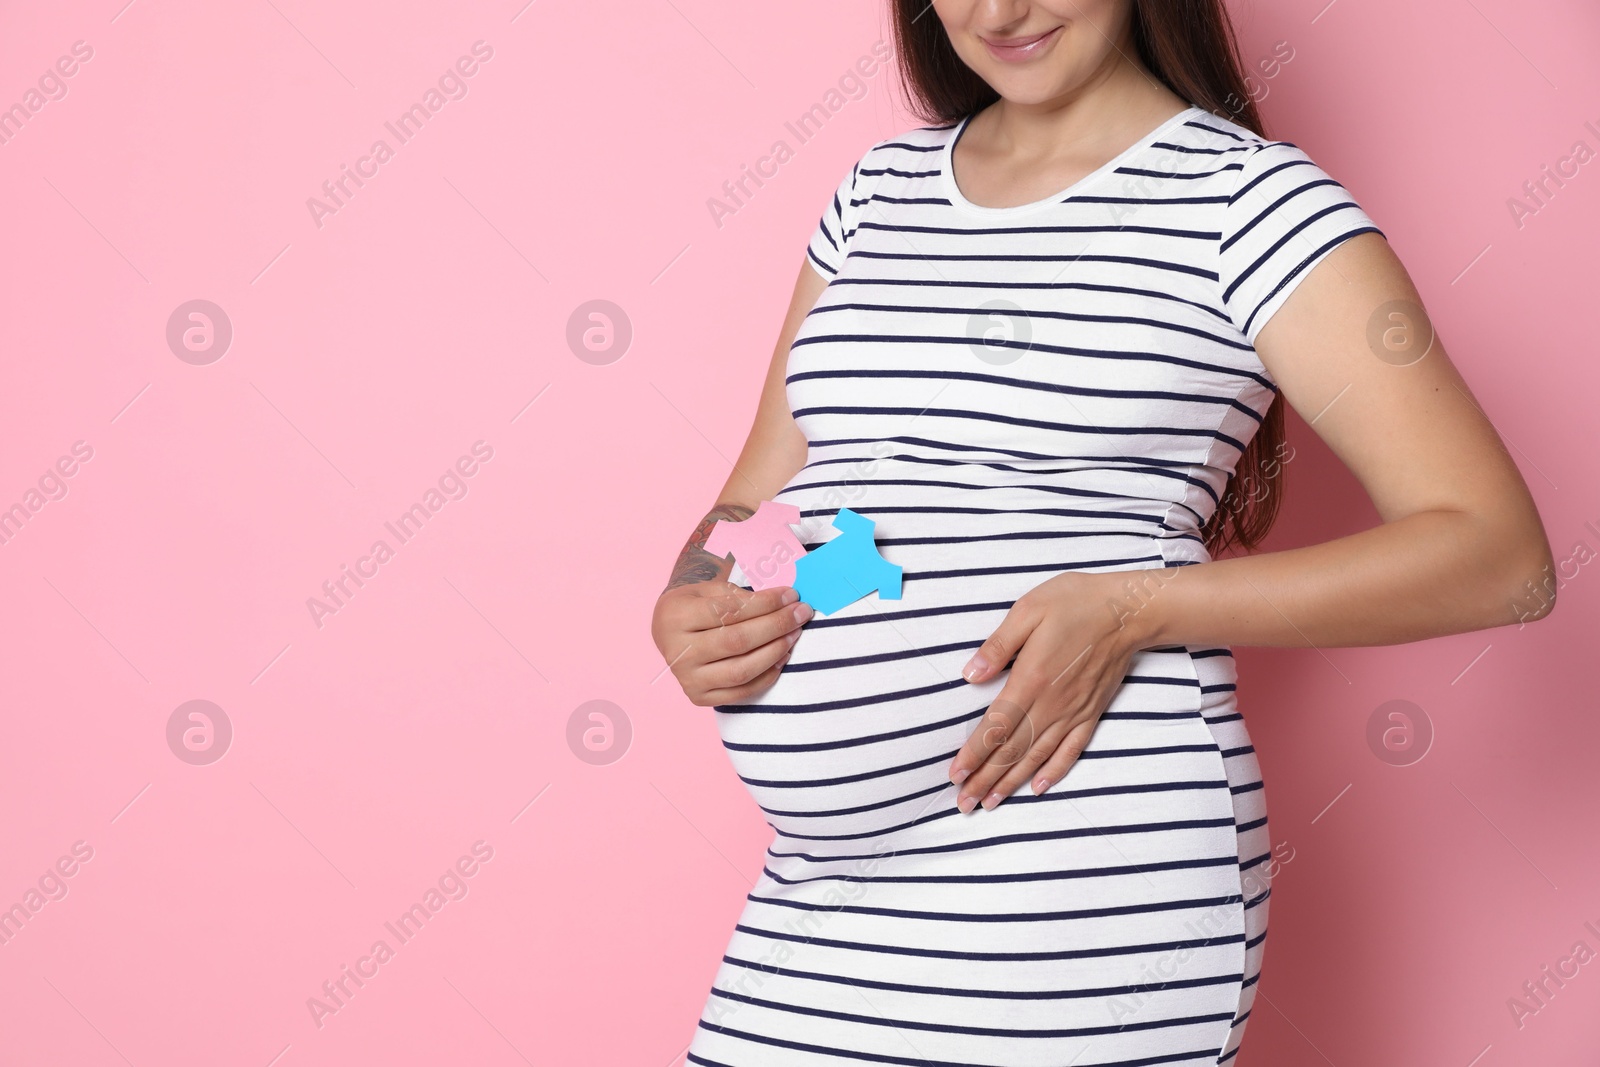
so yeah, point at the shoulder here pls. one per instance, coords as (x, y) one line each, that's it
(916, 140)
(1280, 214)
(1240, 157)
(1259, 160)
(911, 150)
(1208, 137)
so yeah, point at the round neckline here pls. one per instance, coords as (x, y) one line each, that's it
(955, 196)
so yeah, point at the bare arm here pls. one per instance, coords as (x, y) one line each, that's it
(725, 644)
(1458, 548)
(1461, 540)
(774, 450)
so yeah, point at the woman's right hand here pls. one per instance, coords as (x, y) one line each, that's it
(724, 643)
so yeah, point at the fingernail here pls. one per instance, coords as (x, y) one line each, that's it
(802, 613)
(991, 801)
(975, 666)
(1040, 785)
(960, 776)
(966, 804)
(794, 635)
(789, 595)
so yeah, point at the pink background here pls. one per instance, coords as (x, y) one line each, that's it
(428, 713)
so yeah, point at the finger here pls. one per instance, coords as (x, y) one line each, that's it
(1003, 644)
(998, 723)
(732, 671)
(704, 605)
(724, 604)
(999, 779)
(1023, 741)
(734, 605)
(1066, 754)
(1021, 691)
(1059, 742)
(738, 638)
(740, 694)
(703, 647)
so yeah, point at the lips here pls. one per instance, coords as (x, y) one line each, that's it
(1015, 49)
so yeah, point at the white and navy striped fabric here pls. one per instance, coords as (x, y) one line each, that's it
(1010, 393)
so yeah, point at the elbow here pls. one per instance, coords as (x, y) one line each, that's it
(1526, 582)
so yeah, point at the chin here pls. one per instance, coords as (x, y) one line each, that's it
(1025, 88)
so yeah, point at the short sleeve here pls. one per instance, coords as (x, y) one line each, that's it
(830, 240)
(1283, 217)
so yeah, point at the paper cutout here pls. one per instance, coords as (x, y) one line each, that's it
(763, 545)
(847, 568)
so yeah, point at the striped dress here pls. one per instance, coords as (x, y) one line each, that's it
(1010, 393)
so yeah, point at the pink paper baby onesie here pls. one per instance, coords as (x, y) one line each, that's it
(763, 545)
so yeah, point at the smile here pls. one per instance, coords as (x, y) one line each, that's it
(1022, 49)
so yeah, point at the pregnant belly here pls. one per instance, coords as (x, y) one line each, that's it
(857, 734)
(854, 741)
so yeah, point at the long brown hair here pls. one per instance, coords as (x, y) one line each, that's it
(1188, 45)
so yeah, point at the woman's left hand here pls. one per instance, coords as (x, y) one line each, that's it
(1072, 637)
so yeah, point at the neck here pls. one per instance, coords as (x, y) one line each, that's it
(1119, 101)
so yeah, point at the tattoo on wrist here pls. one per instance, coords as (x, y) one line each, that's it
(695, 564)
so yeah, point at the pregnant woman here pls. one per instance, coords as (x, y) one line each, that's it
(1043, 343)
